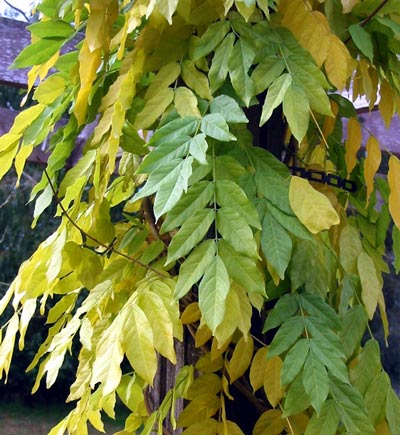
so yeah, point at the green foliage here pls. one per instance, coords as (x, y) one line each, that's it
(172, 220)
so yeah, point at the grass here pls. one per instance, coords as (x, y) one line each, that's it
(17, 419)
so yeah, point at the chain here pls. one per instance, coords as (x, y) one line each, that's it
(325, 178)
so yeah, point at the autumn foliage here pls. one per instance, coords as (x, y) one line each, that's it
(172, 222)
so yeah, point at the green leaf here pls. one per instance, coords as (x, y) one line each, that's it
(362, 39)
(368, 366)
(286, 307)
(274, 189)
(326, 422)
(37, 53)
(316, 306)
(230, 194)
(393, 412)
(215, 126)
(179, 127)
(289, 222)
(276, 244)
(286, 336)
(190, 234)
(296, 110)
(266, 72)
(294, 361)
(275, 95)
(242, 269)
(209, 40)
(316, 381)
(165, 153)
(197, 197)
(51, 29)
(375, 397)
(219, 65)
(240, 62)
(213, 290)
(157, 178)
(296, 399)
(354, 324)
(235, 230)
(198, 147)
(171, 190)
(351, 409)
(228, 108)
(370, 283)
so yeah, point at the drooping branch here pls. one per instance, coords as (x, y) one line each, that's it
(85, 235)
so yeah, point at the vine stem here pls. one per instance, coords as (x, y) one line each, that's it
(108, 248)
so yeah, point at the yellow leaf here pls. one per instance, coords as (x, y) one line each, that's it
(339, 63)
(167, 75)
(370, 283)
(20, 160)
(49, 90)
(257, 369)
(24, 119)
(394, 184)
(269, 423)
(371, 164)
(28, 311)
(137, 341)
(241, 358)
(154, 108)
(313, 209)
(203, 334)
(386, 102)
(311, 28)
(382, 428)
(348, 5)
(186, 102)
(89, 62)
(272, 380)
(191, 314)
(167, 8)
(208, 365)
(245, 11)
(352, 144)
(196, 80)
(229, 428)
(203, 427)
(7, 345)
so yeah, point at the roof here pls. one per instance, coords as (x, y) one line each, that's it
(14, 37)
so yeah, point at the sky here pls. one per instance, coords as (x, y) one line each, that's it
(24, 5)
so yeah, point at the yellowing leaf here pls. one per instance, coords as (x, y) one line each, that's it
(311, 28)
(338, 64)
(371, 164)
(154, 108)
(270, 423)
(257, 369)
(386, 102)
(191, 314)
(196, 80)
(370, 284)
(89, 62)
(186, 102)
(241, 358)
(394, 184)
(353, 143)
(138, 342)
(313, 209)
(49, 90)
(272, 380)
(348, 5)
